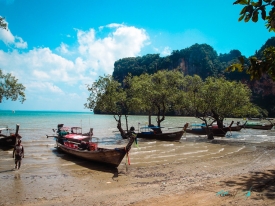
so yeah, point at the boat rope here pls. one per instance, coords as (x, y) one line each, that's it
(127, 157)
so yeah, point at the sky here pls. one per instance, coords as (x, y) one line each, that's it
(55, 48)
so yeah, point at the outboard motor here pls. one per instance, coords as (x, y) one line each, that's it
(59, 131)
(59, 126)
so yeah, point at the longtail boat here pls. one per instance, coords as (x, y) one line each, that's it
(258, 125)
(194, 128)
(200, 129)
(8, 139)
(70, 144)
(154, 132)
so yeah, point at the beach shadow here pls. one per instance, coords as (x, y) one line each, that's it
(11, 170)
(263, 183)
(87, 164)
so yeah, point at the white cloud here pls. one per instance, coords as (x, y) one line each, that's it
(73, 95)
(166, 51)
(19, 43)
(114, 25)
(44, 87)
(101, 53)
(7, 37)
(63, 48)
(40, 74)
(45, 73)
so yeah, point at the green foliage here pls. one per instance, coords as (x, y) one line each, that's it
(3, 23)
(187, 102)
(136, 66)
(264, 65)
(219, 98)
(10, 88)
(200, 59)
(257, 67)
(252, 9)
(164, 90)
(106, 95)
(156, 93)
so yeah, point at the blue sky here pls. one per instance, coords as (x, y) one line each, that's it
(56, 47)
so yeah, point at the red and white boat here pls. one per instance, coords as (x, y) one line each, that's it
(69, 140)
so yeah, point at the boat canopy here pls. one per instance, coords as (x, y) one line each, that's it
(254, 123)
(76, 137)
(76, 130)
(198, 125)
(151, 127)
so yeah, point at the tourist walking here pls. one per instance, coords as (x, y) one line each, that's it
(18, 154)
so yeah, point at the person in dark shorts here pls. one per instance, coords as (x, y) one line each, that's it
(18, 153)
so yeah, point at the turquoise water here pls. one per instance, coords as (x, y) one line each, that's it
(41, 153)
(35, 125)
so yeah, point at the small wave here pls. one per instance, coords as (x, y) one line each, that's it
(150, 151)
(150, 162)
(40, 158)
(164, 156)
(222, 149)
(261, 135)
(179, 159)
(6, 159)
(219, 151)
(147, 147)
(169, 151)
(167, 145)
(189, 153)
(39, 140)
(153, 142)
(238, 150)
(67, 164)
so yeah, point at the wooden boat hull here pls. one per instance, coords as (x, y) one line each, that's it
(197, 131)
(7, 141)
(172, 136)
(112, 157)
(262, 127)
(235, 128)
(216, 131)
(219, 132)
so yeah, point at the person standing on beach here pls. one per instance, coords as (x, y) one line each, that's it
(18, 153)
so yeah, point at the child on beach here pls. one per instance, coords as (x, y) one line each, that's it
(18, 151)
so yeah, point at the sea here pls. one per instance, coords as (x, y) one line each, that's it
(41, 153)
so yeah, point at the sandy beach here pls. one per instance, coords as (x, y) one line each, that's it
(237, 179)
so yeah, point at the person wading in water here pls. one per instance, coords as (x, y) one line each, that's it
(18, 151)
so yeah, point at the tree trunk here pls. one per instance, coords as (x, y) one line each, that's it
(126, 119)
(220, 123)
(210, 136)
(149, 118)
(122, 132)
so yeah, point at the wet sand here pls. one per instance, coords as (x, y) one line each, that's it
(246, 178)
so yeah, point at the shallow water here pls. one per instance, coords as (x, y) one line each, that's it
(41, 154)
